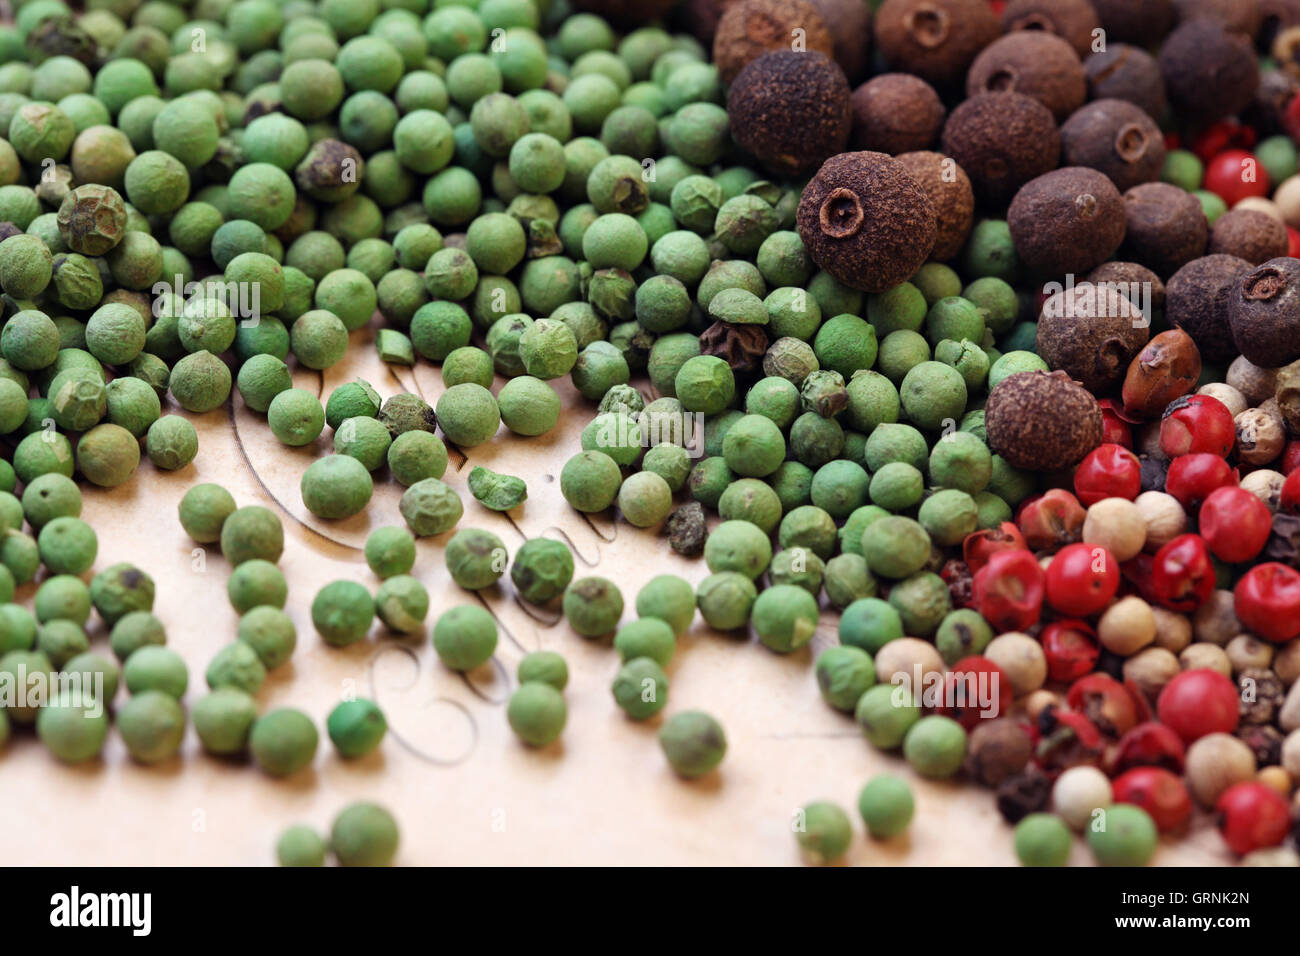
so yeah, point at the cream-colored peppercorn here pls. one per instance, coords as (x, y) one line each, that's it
(1216, 621)
(1164, 516)
(1151, 669)
(1288, 718)
(1286, 662)
(1260, 204)
(1039, 701)
(1206, 655)
(1117, 525)
(905, 658)
(1245, 651)
(1272, 856)
(1265, 484)
(1257, 384)
(1261, 436)
(1287, 198)
(1275, 778)
(1214, 763)
(1225, 393)
(1173, 630)
(1078, 793)
(1291, 755)
(1127, 626)
(1021, 658)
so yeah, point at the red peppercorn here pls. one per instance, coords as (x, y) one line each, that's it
(1235, 524)
(1157, 791)
(975, 689)
(1104, 701)
(1199, 702)
(1195, 423)
(1082, 579)
(1182, 574)
(1234, 175)
(1108, 471)
(1267, 601)
(979, 546)
(1008, 591)
(1252, 816)
(1071, 648)
(1067, 739)
(1115, 429)
(1290, 460)
(1192, 477)
(1288, 498)
(1293, 242)
(1051, 519)
(1225, 134)
(1149, 744)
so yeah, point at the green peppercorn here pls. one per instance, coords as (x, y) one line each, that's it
(356, 727)
(546, 667)
(886, 806)
(223, 720)
(465, 637)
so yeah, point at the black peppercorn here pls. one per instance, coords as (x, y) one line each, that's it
(1153, 471)
(1067, 221)
(1267, 113)
(949, 189)
(1023, 794)
(1042, 421)
(1196, 300)
(1001, 140)
(791, 110)
(1117, 138)
(1248, 234)
(997, 751)
(1265, 742)
(1165, 227)
(1092, 333)
(865, 221)
(8, 230)
(896, 113)
(934, 39)
(1074, 21)
(1284, 541)
(686, 529)
(750, 28)
(1033, 63)
(1209, 73)
(1143, 23)
(1123, 72)
(1264, 313)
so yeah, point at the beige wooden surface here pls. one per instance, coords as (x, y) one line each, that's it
(463, 789)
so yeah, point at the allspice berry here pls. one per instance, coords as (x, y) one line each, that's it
(1142, 24)
(1034, 63)
(1123, 72)
(750, 28)
(1209, 72)
(1092, 333)
(1248, 234)
(1042, 421)
(1264, 313)
(1116, 138)
(1165, 227)
(949, 189)
(1074, 21)
(791, 110)
(1237, 16)
(849, 23)
(896, 113)
(1067, 221)
(1142, 286)
(1002, 141)
(934, 39)
(865, 221)
(1196, 300)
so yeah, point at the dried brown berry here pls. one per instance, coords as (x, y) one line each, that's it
(1196, 300)
(1074, 21)
(686, 529)
(1264, 313)
(1067, 221)
(1209, 73)
(1042, 421)
(949, 189)
(750, 28)
(700, 17)
(849, 22)
(1167, 368)
(1117, 138)
(934, 39)
(896, 113)
(791, 110)
(1248, 234)
(1092, 333)
(740, 346)
(1143, 24)
(1165, 227)
(1142, 286)
(1274, 17)
(1023, 794)
(1239, 16)
(867, 222)
(1034, 63)
(1267, 113)
(1123, 72)
(1002, 140)
(92, 219)
(1261, 434)
(998, 749)
(331, 171)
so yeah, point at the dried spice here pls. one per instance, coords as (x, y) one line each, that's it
(1167, 368)
(750, 28)
(896, 113)
(1143, 24)
(1117, 138)
(1042, 421)
(1072, 20)
(1248, 234)
(1196, 300)
(1261, 695)
(1165, 227)
(998, 750)
(1284, 542)
(1209, 73)
(1264, 313)
(1264, 741)
(934, 39)
(1124, 72)
(1034, 63)
(686, 529)
(1067, 221)
(1002, 141)
(1092, 333)
(849, 23)
(1142, 286)
(740, 346)
(952, 195)
(1023, 794)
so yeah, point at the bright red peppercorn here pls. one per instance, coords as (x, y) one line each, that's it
(1290, 460)
(1225, 134)
(1149, 744)
(1195, 423)
(1071, 649)
(1067, 739)
(1293, 242)
(1157, 791)
(1115, 430)
(1182, 574)
(975, 689)
(1106, 702)
(979, 546)
(1008, 591)
(1082, 579)
(1235, 524)
(1267, 601)
(1199, 702)
(1288, 498)
(1108, 471)
(1192, 477)
(1234, 175)
(1252, 816)
(1051, 519)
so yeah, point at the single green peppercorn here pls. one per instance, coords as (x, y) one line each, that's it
(402, 603)
(1128, 837)
(886, 806)
(546, 667)
(465, 637)
(694, 743)
(299, 845)
(223, 720)
(390, 551)
(153, 667)
(1043, 839)
(356, 727)
(823, 832)
(886, 717)
(843, 675)
(283, 741)
(152, 725)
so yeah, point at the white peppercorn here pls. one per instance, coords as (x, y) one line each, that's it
(1039, 701)
(1288, 718)
(1021, 658)
(1261, 436)
(1214, 763)
(1231, 397)
(1291, 754)
(1286, 662)
(1118, 525)
(1203, 654)
(1257, 384)
(1078, 793)
(1246, 651)
(1127, 626)
(902, 657)
(1164, 516)
(1265, 484)
(1173, 630)
(1216, 621)
(1275, 778)
(1151, 669)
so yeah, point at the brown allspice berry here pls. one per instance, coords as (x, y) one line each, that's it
(1165, 227)
(865, 221)
(1091, 333)
(934, 39)
(896, 113)
(1264, 312)
(791, 110)
(1117, 138)
(1209, 73)
(1239, 16)
(1034, 63)
(1074, 21)
(1139, 284)
(1144, 23)
(849, 23)
(750, 28)
(1168, 367)
(1002, 141)
(1196, 300)
(1248, 234)
(1042, 421)
(1267, 113)
(700, 17)
(949, 189)
(1124, 72)
(1067, 221)
(997, 750)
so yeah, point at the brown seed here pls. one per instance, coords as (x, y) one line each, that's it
(750, 28)
(1165, 227)
(1239, 16)
(740, 346)
(934, 39)
(1034, 63)
(1196, 300)
(949, 189)
(791, 110)
(1264, 313)
(865, 221)
(1248, 234)
(1274, 17)
(1092, 333)
(1123, 72)
(1072, 20)
(896, 113)
(1117, 138)
(1167, 368)
(1067, 221)
(849, 22)
(1002, 141)
(1209, 73)
(1042, 421)
(1142, 286)
(1144, 23)
(998, 749)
